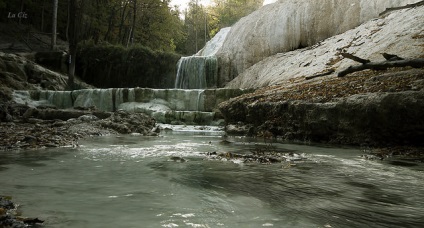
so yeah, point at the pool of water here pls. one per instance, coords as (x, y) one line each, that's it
(131, 181)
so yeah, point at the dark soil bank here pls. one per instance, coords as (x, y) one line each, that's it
(382, 110)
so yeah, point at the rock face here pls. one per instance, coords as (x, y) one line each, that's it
(291, 24)
(377, 119)
(19, 73)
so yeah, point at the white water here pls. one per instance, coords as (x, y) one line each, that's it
(130, 181)
(200, 71)
(213, 45)
(194, 106)
(197, 72)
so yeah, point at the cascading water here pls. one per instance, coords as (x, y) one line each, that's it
(191, 102)
(200, 70)
(194, 106)
(196, 72)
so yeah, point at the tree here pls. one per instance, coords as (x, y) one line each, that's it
(228, 12)
(75, 10)
(196, 27)
(54, 24)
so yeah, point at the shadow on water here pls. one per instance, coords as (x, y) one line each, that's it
(373, 194)
(403, 163)
(31, 158)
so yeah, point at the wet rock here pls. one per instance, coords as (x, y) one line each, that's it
(6, 203)
(224, 142)
(60, 114)
(88, 118)
(239, 129)
(59, 123)
(4, 113)
(152, 134)
(34, 121)
(30, 139)
(51, 145)
(259, 156)
(178, 159)
(28, 113)
(8, 217)
(156, 129)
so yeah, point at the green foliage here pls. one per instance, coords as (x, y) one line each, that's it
(202, 23)
(229, 12)
(117, 66)
(151, 23)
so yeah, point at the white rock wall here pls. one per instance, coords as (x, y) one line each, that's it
(288, 24)
(399, 33)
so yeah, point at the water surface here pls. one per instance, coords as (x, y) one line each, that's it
(131, 181)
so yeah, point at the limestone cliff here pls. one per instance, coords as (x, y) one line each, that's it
(399, 33)
(291, 24)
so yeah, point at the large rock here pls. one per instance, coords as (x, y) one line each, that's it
(290, 24)
(19, 73)
(377, 118)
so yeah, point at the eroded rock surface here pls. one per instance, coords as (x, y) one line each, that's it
(258, 46)
(383, 109)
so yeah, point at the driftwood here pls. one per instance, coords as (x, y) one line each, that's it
(415, 63)
(391, 57)
(320, 75)
(354, 58)
(401, 7)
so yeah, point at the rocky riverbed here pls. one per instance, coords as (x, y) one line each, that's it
(24, 127)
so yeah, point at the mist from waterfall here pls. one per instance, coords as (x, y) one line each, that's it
(200, 71)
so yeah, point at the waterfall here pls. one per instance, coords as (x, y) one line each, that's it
(178, 106)
(196, 72)
(199, 100)
(200, 70)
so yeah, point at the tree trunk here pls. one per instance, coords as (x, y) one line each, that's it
(68, 19)
(22, 9)
(121, 26)
(54, 24)
(110, 24)
(133, 21)
(72, 42)
(42, 16)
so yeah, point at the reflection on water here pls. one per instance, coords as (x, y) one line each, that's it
(131, 181)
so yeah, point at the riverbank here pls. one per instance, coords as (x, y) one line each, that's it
(10, 216)
(370, 109)
(24, 127)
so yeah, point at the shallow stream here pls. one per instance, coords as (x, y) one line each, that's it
(131, 181)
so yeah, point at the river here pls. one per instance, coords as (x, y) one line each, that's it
(131, 181)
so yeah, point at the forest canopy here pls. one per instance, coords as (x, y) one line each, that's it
(151, 23)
